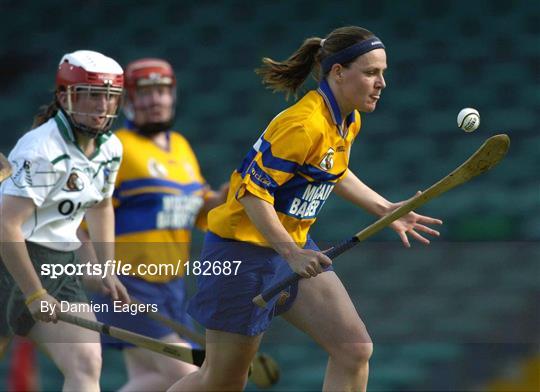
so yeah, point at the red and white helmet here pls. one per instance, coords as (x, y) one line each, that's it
(147, 72)
(86, 67)
(86, 71)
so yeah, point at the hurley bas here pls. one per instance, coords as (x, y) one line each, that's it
(117, 306)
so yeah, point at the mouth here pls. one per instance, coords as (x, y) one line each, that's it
(99, 119)
(157, 109)
(375, 97)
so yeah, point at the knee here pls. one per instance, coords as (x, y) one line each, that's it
(360, 352)
(233, 384)
(229, 385)
(226, 381)
(175, 371)
(353, 356)
(82, 361)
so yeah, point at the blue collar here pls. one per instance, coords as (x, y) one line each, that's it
(328, 96)
(129, 125)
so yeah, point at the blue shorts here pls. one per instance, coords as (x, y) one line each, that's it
(224, 302)
(169, 297)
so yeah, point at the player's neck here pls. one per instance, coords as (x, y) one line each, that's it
(344, 109)
(86, 144)
(160, 139)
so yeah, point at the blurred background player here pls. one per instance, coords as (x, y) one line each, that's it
(160, 196)
(64, 170)
(275, 196)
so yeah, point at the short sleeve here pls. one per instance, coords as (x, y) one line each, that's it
(279, 153)
(188, 156)
(202, 219)
(33, 177)
(112, 167)
(191, 161)
(111, 173)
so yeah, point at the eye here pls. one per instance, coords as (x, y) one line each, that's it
(164, 90)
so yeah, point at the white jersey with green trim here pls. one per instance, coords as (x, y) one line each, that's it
(50, 168)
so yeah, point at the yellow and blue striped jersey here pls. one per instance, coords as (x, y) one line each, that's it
(294, 165)
(157, 200)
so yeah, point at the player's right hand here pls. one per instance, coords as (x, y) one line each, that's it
(308, 263)
(45, 308)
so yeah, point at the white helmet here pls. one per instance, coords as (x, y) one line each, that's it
(89, 72)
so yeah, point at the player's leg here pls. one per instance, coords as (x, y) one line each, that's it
(324, 310)
(223, 303)
(146, 370)
(228, 357)
(78, 357)
(151, 371)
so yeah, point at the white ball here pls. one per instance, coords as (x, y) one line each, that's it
(468, 119)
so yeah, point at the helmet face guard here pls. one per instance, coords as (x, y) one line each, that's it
(93, 84)
(144, 74)
(92, 109)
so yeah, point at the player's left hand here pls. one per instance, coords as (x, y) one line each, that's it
(215, 198)
(115, 289)
(411, 224)
(94, 283)
(221, 194)
(109, 285)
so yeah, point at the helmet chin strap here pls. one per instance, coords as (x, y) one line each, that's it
(149, 129)
(153, 128)
(87, 131)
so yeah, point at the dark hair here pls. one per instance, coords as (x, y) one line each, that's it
(45, 113)
(289, 75)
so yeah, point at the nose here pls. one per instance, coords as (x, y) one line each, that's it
(380, 83)
(155, 96)
(102, 102)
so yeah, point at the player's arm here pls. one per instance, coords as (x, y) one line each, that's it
(214, 198)
(352, 189)
(15, 211)
(100, 222)
(305, 262)
(280, 152)
(87, 254)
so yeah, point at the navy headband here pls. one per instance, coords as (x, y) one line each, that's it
(351, 52)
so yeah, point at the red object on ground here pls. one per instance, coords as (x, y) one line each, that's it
(23, 372)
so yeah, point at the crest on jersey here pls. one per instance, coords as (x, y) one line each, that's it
(327, 162)
(156, 169)
(189, 170)
(74, 183)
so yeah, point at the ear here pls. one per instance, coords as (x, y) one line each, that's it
(337, 72)
(61, 97)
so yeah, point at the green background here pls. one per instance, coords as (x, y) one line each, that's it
(449, 317)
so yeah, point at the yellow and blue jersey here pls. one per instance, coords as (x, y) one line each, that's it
(157, 200)
(294, 165)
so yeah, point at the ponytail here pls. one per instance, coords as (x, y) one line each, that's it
(45, 113)
(289, 75)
